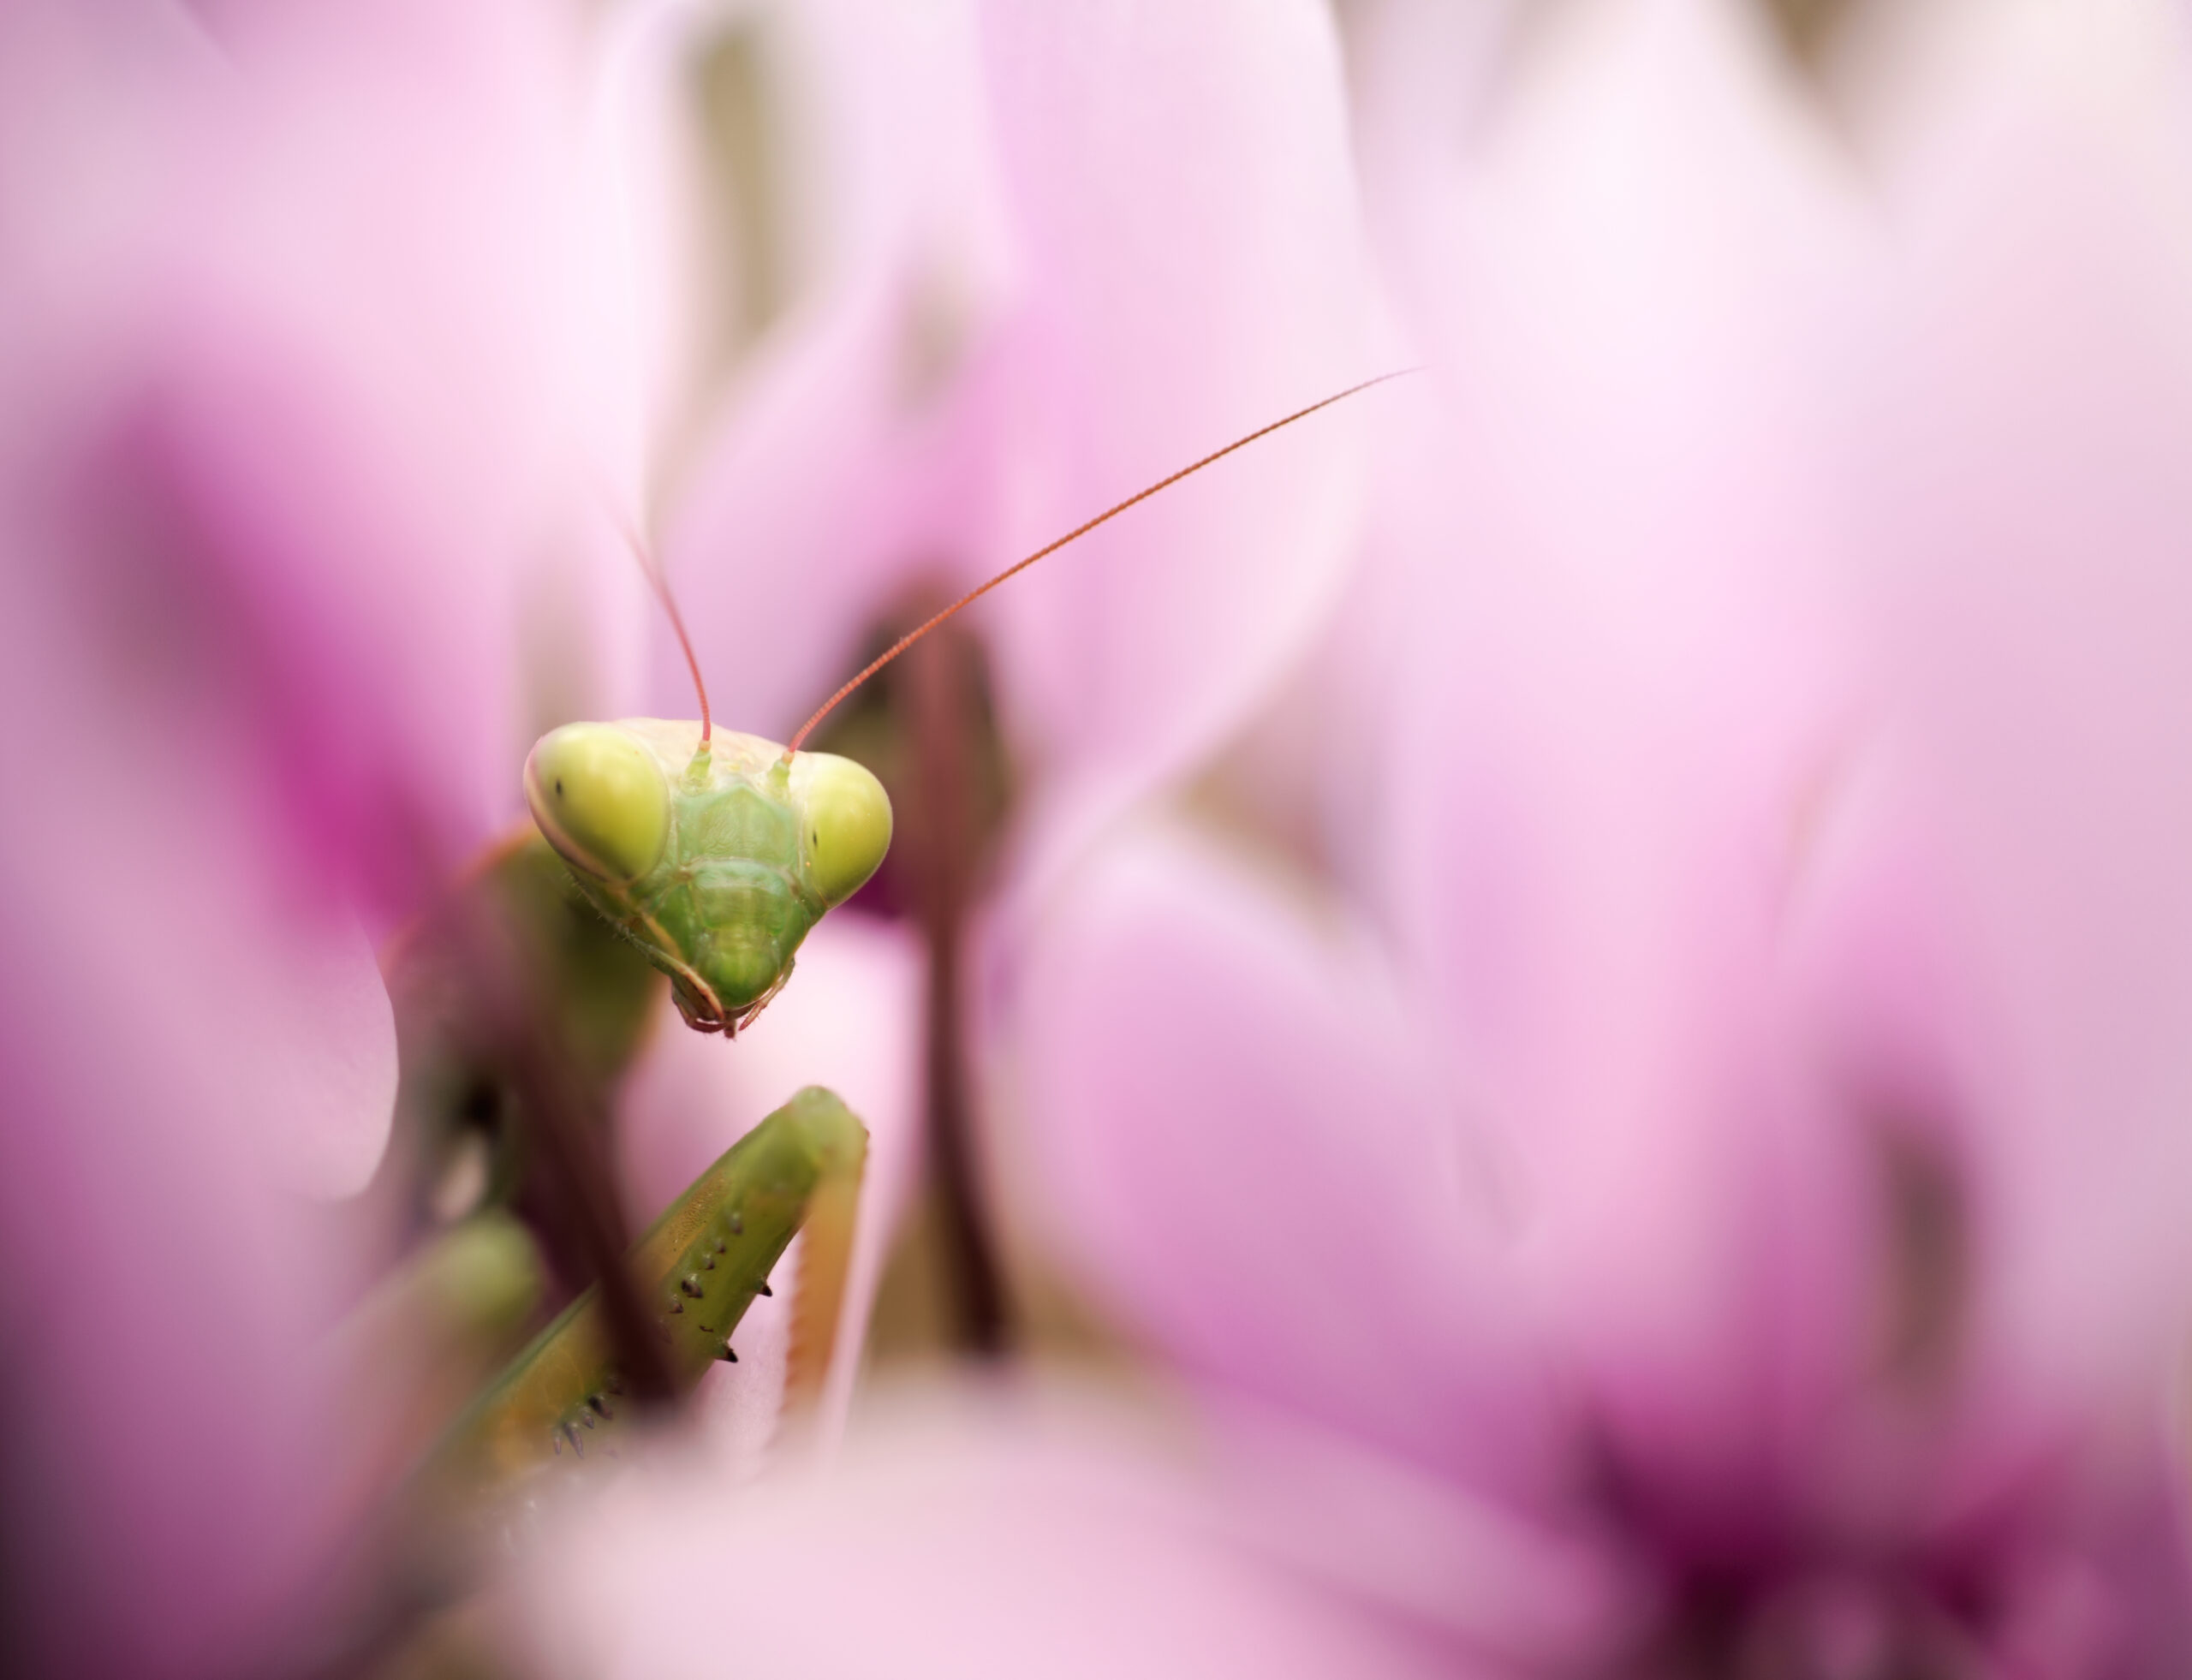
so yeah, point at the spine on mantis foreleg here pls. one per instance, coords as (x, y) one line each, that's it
(697, 1270)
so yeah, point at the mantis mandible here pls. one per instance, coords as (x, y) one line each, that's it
(715, 854)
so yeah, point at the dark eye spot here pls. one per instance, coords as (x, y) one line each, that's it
(559, 787)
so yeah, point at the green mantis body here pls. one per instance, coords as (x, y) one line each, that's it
(715, 856)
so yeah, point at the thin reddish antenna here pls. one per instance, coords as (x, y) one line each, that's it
(1078, 532)
(676, 619)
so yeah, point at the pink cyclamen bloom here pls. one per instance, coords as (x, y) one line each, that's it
(293, 305)
(1832, 1167)
(278, 435)
(1724, 1153)
(1023, 312)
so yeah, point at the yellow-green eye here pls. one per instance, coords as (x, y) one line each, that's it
(600, 799)
(848, 820)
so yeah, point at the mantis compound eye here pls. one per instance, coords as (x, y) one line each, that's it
(600, 799)
(847, 818)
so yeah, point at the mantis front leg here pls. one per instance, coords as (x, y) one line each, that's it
(697, 1270)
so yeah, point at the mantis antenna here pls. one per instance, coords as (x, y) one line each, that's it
(1078, 532)
(661, 587)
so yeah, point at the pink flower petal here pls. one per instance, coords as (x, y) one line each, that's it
(1008, 1534)
(1192, 270)
(2028, 431)
(313, 398)
(1241, 1151)
(1053, 316)
(1617, 696)
(193, 1037)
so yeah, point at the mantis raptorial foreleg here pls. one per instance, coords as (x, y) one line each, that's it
(697, 1270)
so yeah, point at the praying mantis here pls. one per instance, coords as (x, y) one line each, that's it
(713, 855)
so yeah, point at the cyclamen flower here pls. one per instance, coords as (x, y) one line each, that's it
(999, 343)
(281, 432)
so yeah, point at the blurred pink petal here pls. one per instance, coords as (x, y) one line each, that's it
(268, 473)
(316, 394)
(327, 1069)
(2028, 434)
(1614, 697)
(1248, 1160)
(195, 1041)
(827, 490)
(1170, 306)
(1030, 343)
(1018, 1532)
(848, 459)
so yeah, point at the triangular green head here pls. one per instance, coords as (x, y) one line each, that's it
(715, 858)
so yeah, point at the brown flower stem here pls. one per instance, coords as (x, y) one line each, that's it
(938, 689)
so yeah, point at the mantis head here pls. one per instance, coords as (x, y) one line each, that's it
(714, 856)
